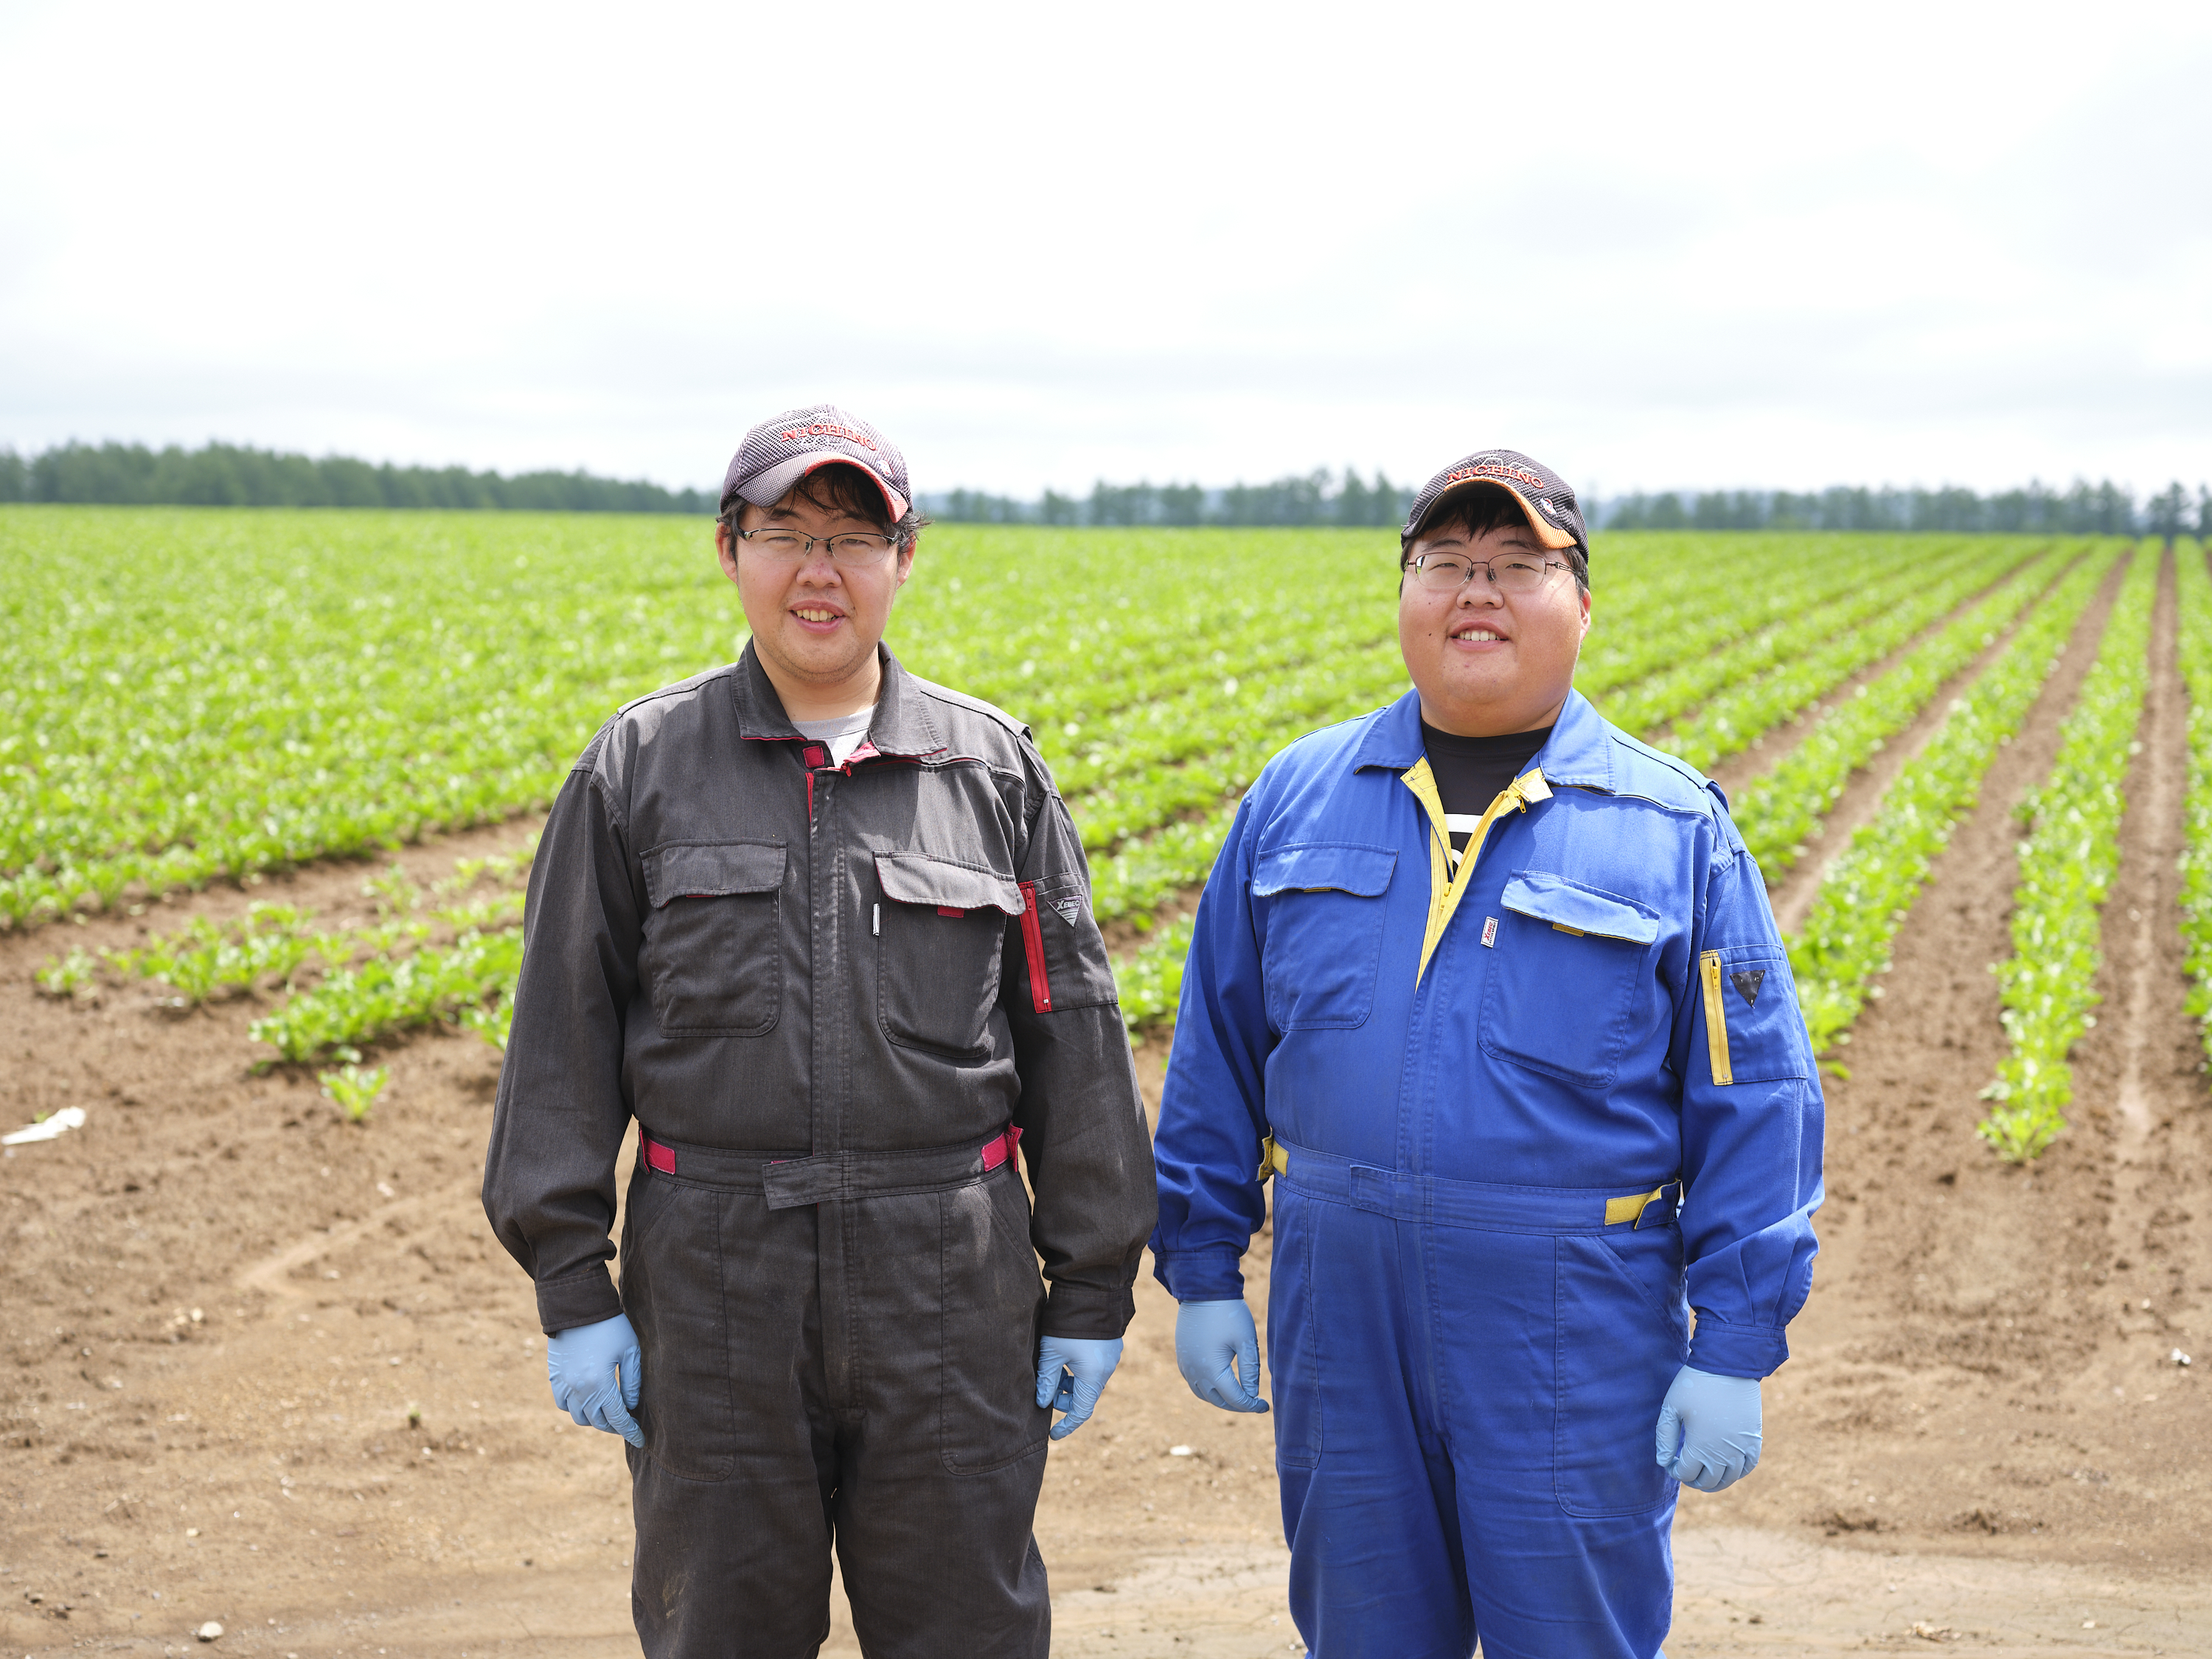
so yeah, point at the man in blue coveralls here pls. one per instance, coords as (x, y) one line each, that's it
(1494, 991)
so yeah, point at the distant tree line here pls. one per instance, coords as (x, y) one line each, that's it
(2086, 509)
(1320, 497)
(1323, 498)
(225, 475)
(228, 475)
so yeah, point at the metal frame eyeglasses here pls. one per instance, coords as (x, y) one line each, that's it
(1447, 573)
(854, 550)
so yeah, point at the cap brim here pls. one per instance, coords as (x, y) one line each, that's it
(773, 485)
(1555, 537)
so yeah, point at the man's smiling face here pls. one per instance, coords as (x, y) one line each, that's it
(1486, 662)
(814, 623)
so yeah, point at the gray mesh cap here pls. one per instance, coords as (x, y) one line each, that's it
(1543, 495)
(776, 454)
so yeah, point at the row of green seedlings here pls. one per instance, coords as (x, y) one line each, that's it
(2194, 590)
(1888, 599)
(1777, 818)
(375, 979)
(2048, 985)
(1780, 814)
(1846, 943)
(1738, 716)
(469, 981)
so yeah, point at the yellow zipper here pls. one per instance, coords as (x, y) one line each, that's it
(1717, 1043)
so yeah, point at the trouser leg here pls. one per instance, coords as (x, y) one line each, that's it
(732, 1493)
(1376, 1566)
(938, 1490)
(1554, 1354)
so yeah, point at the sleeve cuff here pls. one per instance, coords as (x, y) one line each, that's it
(1086, 1310)
(582, 1299)
(1726, 1350)
(1211, 1274)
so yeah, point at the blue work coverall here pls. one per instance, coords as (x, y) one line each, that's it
(1520, 1122)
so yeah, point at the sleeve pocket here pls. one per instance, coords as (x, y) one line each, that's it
(1753, 1032)
(1064, 952)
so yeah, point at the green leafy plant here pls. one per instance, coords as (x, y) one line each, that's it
(205, 958)
(354, 1090)
(1865, 895)
(2048, 985)
(70, 975)
(1779, 815)
(384, 995)
(2194, 589)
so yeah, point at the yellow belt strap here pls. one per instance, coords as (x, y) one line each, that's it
(1273, 1160)
(1631, 1207)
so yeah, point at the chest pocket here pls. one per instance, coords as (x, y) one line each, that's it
(1570, 964)
(1322, 937)
(941, 938)
(712, 957)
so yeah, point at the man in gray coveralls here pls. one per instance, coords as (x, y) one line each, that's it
(823, 929)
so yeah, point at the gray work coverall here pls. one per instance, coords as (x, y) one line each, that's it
(825, 993)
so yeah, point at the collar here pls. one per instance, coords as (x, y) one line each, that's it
(1579, 751)
(902, 727)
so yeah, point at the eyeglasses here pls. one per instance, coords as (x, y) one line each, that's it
(852, 550)
(1516, 573)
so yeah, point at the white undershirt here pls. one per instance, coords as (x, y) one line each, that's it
(843, 734)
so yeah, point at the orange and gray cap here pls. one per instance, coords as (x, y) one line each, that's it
(1543, 495)
(776, 454)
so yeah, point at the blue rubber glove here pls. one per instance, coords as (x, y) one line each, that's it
(1218, 1352)
(594, 1370)
(1071, 1370)
(1709, 1429)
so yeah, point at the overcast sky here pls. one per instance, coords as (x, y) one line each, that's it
(1654, 246)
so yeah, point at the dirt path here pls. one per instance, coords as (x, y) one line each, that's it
(349, 1450)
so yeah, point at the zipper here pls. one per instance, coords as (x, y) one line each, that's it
(1033, 948)
(1717, 1043)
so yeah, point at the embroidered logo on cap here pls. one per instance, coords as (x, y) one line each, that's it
(1747, 980)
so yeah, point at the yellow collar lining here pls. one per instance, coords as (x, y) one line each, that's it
(1445, 888)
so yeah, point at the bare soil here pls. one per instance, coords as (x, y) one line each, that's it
(269, 1368)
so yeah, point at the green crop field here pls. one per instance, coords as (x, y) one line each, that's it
(195, 695)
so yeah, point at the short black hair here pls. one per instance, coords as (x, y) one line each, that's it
(842, 488)
(1479, 509)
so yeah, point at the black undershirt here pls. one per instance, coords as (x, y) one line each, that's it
(1470, 772)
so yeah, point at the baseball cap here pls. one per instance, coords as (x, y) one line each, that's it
(1543, 495)
(776, 454)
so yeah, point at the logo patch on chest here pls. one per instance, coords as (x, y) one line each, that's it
(1747, 980)
(1069, 908)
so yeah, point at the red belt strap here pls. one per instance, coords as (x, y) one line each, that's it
(997, 1149)
(1000, 1149)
